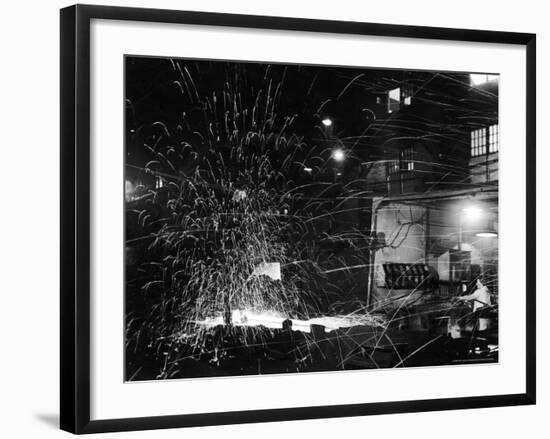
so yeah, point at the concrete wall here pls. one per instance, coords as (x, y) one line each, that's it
(484, 169)
(403, 227)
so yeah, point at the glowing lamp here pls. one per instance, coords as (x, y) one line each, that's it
(338, 155)
(326, 122)
(472, 213)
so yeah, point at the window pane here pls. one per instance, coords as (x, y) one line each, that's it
(478, 142)
(406, 94)
(493, 138)
(407, 159)
(394, 94)
(394, 97)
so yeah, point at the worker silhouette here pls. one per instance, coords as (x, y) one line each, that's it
(481, 299)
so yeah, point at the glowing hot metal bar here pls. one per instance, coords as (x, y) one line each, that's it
(274, 320)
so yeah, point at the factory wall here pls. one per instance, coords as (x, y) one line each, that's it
(435, 235)
(403, 228)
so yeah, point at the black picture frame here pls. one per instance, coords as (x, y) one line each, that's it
(75, 217)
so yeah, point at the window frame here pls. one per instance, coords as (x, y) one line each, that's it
(484, 140)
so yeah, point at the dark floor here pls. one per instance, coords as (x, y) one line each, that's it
(234, 351)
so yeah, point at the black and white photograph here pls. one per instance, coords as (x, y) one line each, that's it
(308, 218)
(275, 220)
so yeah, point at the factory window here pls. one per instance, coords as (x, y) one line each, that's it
(399, 96)
(394, 99)
(493, 138)
(407, 159)
(406, 94)
(484, 141)
(392, 167)
(478, 142)
(481, 78)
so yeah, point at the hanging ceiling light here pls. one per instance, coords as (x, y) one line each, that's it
(486, 233)
(487, 230)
